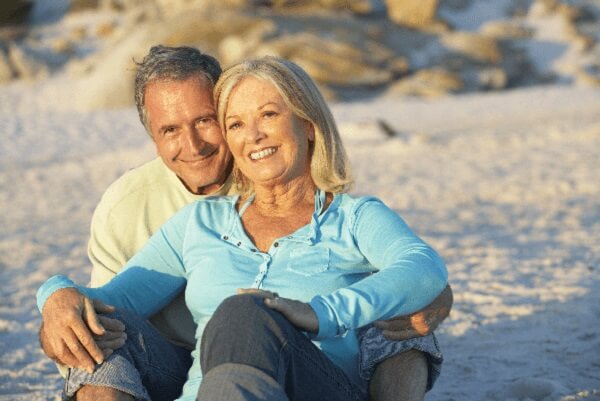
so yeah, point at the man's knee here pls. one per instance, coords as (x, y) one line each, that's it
(401, 377)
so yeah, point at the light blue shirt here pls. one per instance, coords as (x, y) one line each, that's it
(328, 263)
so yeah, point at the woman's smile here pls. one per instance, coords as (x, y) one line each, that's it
(263, 153)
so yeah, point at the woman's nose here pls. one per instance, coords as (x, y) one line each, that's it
(254, 133)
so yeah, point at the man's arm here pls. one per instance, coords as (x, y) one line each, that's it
(72, 312)
(419, 323)
(73, 334)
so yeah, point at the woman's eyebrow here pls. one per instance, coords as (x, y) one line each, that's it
(266, 104)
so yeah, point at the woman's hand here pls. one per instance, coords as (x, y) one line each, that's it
(71, 328)
(300, 314)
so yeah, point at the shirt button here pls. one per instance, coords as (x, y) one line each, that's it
(225, 237)
(239, 243)
(253, 250)
(276, 244)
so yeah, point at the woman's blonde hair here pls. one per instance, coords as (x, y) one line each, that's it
(329, 166)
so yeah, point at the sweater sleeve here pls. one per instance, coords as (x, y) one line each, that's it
(148, 282)
(411, 274)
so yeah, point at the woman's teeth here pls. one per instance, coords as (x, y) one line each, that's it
(262, 154)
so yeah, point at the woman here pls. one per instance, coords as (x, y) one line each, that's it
(291, 237)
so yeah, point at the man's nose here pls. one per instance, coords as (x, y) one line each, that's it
(193, 140)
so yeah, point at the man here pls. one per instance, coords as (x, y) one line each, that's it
(173, 93)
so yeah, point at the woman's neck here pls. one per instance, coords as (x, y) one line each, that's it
(284, 199)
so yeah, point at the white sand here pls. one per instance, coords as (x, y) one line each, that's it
(505, 186)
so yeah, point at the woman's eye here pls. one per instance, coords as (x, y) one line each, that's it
(269, 114)
(233, 126)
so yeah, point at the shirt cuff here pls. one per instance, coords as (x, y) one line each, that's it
(328, 327)
(52, 285)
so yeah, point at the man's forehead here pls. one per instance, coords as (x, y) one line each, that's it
(198, 81)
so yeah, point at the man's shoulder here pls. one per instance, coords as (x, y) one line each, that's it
(150, 174)
(147, 195)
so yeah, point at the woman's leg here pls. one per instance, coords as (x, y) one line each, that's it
(253, 350)
(147, 367)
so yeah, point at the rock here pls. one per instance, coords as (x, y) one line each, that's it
(105, 29)
(534, 388)
(493, 78)
(477, 47)
(6, 72)
(14, 12)
(83, 5)
(506, 30)
(412, 13)
(434, 82)
(63, 46)
(329, 61)
(588, 75)
(25, 66)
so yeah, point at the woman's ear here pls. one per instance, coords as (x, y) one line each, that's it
(310, 131)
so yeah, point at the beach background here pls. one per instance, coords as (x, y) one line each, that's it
(478, 121)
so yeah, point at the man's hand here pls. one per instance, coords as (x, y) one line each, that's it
(419, 323)
(300, 314)
(70, 327)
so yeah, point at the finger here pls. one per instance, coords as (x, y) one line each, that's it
(110, 335)
(400, 335)
(112, 344)
(101, 307)
(256, 291)
(84, 359)
(111, 324)
(419, 323)
(91, 318)
(107, 352)
(85, 340)
(64, 356)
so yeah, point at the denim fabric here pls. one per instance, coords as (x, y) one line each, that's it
(242, 333)
(148, 367)
(375, 348)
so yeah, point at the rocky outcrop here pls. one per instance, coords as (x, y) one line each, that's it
(412, 13)
(14, 12)
(430, 83)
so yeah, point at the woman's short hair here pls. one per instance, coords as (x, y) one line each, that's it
(330, 167)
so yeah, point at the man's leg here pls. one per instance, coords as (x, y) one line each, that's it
(96, 393)
(253, 351)
(147, 367)
(402, 377)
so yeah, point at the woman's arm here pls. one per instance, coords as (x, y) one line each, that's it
(148, 282)
(411, 274)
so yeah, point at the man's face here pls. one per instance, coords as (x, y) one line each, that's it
(184, 127)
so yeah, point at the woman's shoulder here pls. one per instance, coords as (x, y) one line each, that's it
(353, 203)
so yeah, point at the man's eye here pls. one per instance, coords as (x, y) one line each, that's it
(205, 121)
(169, 131)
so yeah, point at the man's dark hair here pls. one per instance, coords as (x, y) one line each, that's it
(165, 63)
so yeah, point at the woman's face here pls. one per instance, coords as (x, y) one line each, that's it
(269, 142)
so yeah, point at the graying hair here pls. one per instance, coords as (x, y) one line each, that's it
(165, 63)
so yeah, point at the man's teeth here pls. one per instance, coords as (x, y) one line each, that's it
(262, 153)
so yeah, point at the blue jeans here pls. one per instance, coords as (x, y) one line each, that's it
(148, 367)
(250, 352)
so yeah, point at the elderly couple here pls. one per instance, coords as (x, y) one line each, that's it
(280, 286)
